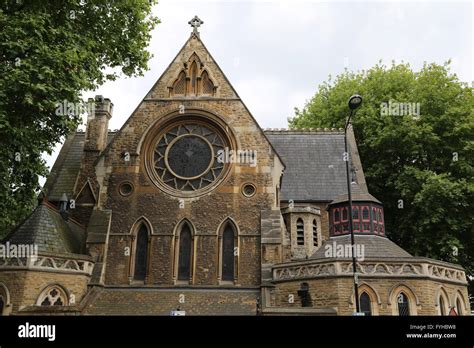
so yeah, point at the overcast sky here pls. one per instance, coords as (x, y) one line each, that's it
(276, 53)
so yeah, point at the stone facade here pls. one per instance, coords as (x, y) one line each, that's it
(135, 217)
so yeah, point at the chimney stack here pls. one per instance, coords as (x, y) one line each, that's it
(100, 112)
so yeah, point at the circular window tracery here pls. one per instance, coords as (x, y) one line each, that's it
(186, 156)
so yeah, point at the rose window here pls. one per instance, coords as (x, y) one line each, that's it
(186, 156)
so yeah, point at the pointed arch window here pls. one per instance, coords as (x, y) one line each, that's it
(141, 253)
(299, 232)
(228, 257)
(179, 87)
(315, 233)
(344, 214)
(184, 258)
(403, 304)
(207, 85)
(365, 213)
(459, 307)
(193, 72)
(365, 304)
(355, 213)
(53, 296)
(441, 306)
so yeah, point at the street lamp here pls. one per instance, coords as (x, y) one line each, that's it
(354, 102)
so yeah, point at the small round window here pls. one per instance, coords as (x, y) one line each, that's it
(126, 189)
(248, 190)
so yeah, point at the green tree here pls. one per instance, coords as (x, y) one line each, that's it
(420, 165)
(51, 52)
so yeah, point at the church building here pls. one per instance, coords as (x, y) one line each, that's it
(192, 208)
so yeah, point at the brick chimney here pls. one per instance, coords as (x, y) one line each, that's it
(100, 112)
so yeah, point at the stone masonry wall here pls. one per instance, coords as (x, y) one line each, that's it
(207, 212)
(338, 293)
(26, 286)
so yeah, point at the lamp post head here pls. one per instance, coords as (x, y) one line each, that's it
(355, 101)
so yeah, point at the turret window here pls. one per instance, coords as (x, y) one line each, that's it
(299, 232)
(365, 219)
(315, 233)
(355, 213)
(337, 216)
(344, 214)
(365, 213)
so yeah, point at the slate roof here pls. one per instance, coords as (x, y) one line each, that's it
(47, 229)
(63, 176)
(315, 170)
(357, 196)
(374, 246)
(64, 172)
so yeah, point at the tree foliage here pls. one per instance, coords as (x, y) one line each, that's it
(51, 52)
(420, 165)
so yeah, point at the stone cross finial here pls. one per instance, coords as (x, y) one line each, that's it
(195, 23)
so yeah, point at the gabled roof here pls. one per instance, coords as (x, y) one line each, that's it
(193, 45)
(47, 229)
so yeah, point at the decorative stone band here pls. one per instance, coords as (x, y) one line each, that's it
(410, 268)
(311, 210)
(58, 264)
